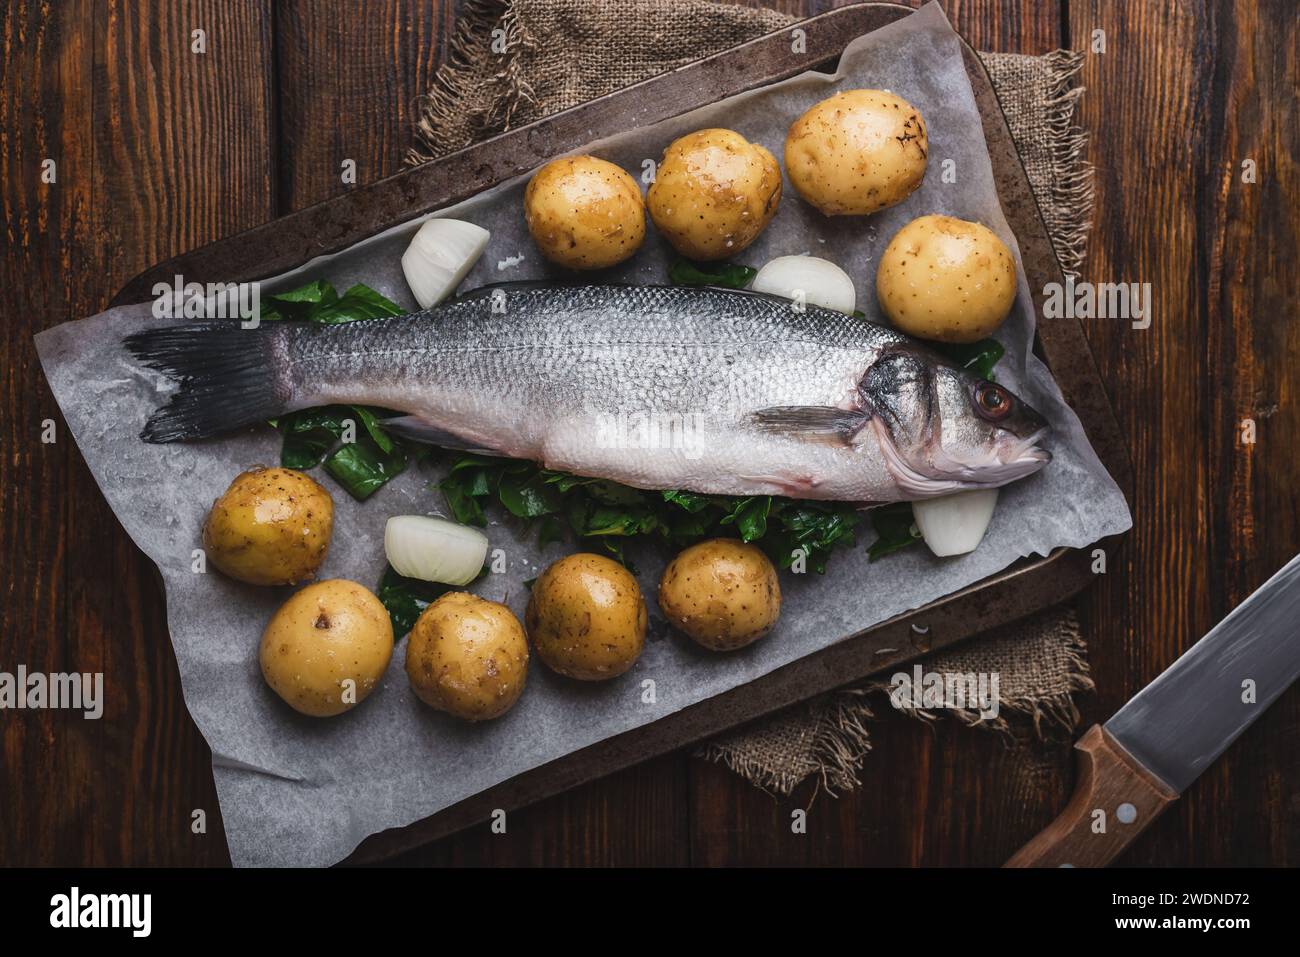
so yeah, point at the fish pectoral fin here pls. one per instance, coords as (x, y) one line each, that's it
(810, 421)
(421, 430)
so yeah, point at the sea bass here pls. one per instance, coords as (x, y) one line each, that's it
(703, 389)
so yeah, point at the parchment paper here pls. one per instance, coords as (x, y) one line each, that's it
(299, 791)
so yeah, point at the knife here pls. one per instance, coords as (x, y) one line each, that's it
(1143, 758)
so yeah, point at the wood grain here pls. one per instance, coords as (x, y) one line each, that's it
(1250, 233)
(47, 237)
(1184, 93)
(348, 85)
(159, 149)
(1026, 26)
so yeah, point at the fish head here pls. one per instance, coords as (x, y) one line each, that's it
(942, 429)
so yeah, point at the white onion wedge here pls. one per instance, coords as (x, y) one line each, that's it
(434, 549)
(441, 253)
(954, 524)
(808, 279)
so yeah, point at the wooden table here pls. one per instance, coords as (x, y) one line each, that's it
(158, 149)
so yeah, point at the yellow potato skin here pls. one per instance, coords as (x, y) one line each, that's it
(270, 527)
(587, 617)
(467, 656)
(857, 152)
(323, 635)
(722, 593)
(584, 213)
(713, 193)
(946, 279)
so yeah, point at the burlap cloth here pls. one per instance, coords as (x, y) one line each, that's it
(513, 61)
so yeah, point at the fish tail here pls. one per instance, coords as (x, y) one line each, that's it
(229, 376)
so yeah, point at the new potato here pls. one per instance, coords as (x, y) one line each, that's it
(713, 193)
(467, 656)
(584, 213)
(722, 593)
(587, 618)
(857, 152)
(327, 647)
(946, 279)
(270, 527)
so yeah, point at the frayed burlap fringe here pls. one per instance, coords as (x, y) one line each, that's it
(478, 91)
(1039, 96)
(827, 738)
(1045, 713)
(550, 55)
(1044, 667)
(1072, 186)
(514, 61)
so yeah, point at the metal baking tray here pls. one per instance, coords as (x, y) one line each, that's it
(1026, 587)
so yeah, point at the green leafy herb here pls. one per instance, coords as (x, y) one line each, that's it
(310, 434)
(609, 514)
(529, 495)
(359, 302)
(895, 529)
(683, 272)
(363, 468)
(351, 442)
(749, 515)
(406, 598)
(977, 357)
(349, 439)
(298, 303)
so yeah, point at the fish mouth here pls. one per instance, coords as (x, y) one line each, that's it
(941, 474)
(1030, 450)
(1024, 458)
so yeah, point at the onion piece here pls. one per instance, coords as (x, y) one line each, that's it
(820, 281)
(441, 253)
(954, 524)
(434, 549)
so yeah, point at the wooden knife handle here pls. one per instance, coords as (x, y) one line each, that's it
(1113, 802)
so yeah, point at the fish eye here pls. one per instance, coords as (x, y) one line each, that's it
(992, 402)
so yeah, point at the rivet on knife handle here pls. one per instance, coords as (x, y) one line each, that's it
(1113, 802)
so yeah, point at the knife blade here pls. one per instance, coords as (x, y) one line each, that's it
(1146, 755)
(1178, 724)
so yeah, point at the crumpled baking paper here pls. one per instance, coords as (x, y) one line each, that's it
(298, 791)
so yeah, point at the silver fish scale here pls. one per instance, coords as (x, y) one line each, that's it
(607, 349)
(650, 386)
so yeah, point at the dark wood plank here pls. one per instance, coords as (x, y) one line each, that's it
(635, 818)
(1183, 94)
(182, 157)
(47, 235)
(1014, 26)
(160, 149)
(348, 83)
(1250, 234)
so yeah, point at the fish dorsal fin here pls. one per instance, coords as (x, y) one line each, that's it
(510, 285)
(822, 422)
